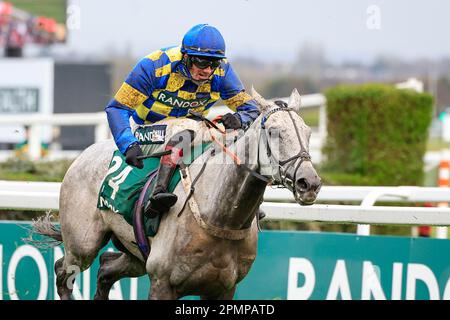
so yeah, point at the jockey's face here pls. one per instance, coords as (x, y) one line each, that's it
(202, 69)
(200, 74)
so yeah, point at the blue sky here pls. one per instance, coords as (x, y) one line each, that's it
(270, 30)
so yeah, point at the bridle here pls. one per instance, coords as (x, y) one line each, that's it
(284, 180)
(282, 177)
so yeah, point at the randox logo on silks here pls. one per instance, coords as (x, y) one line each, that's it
(173, 101)
(155, 134)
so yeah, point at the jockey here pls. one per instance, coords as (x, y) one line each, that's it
(166, 84)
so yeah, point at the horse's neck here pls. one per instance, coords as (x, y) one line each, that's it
(229, 196)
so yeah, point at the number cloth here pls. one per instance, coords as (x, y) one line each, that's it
(119, 190)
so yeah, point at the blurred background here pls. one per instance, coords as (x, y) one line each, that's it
(68, 58)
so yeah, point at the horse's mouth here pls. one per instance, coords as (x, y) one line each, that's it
(306, 199)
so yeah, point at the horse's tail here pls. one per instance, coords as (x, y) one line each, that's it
(45, 227)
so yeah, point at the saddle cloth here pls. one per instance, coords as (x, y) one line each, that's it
(121, 187)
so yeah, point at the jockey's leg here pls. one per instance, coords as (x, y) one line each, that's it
(162, 200)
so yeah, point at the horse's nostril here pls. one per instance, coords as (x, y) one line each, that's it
(302, 184)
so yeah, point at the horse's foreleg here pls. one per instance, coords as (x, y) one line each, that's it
(113, 267)
(162, 290)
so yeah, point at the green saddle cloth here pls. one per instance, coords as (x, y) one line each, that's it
(120, 188)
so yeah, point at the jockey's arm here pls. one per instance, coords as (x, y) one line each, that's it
(133, 92)
(119, 123)
(233, 94)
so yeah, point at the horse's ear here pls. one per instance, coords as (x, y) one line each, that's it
(295, 100)
(263, 103)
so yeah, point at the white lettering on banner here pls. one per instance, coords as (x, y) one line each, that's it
(77, 295)
(397, 275)
(371, 282)
(423, 273)
(304, 266)
(339, 283)
(133, 288)
(19, 254)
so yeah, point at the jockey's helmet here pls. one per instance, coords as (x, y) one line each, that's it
(204, 40)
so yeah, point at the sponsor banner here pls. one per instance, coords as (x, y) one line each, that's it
(289, 265)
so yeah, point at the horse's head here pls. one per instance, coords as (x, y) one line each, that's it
(284, 148)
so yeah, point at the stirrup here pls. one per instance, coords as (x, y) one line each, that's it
(159, 204)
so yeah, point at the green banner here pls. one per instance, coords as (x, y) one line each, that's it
(289, 265)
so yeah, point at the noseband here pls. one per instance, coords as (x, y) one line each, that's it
(303, 155)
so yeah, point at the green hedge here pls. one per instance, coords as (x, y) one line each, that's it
(26, 170)
(377, 132)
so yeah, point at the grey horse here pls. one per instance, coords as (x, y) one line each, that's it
(206, 254)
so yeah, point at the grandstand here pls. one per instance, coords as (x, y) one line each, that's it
(24, 21)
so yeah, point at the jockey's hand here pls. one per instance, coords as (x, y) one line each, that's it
(132, 154)
(231, 121)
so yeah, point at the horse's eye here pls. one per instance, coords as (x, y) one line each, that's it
(274, 132)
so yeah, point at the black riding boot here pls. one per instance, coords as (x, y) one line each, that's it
(161, 200)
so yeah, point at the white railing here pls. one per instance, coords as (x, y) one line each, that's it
(102, 131)
(36, 121)
(98, 119)
(279, 204)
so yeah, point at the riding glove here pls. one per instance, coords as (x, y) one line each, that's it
(132, 154)
(231, 121)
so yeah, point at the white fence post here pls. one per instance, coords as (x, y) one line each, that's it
(371, 198)
(323, 121)
(34, 141)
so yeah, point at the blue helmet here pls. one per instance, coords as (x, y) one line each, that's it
(204, 40)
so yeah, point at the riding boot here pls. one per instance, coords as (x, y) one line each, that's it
(162, 200)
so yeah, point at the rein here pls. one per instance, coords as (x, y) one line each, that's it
(303, 155)
(212, 125)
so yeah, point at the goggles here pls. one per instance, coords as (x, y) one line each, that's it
(204, 63)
